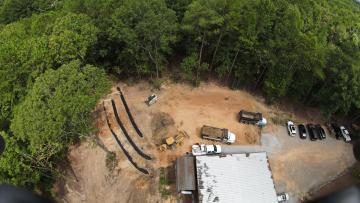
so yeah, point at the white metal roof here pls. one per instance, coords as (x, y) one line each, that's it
(240, 178)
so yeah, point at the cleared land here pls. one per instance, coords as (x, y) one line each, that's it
(298, 165)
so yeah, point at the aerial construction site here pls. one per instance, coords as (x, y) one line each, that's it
(155, 145)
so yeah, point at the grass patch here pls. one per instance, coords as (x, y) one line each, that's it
(111, 161)
(157, 83)
(280, 118)
(165, 183)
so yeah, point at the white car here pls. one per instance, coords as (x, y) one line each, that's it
(282, 197)
(291, 128)
(202, 149)
(345, 134)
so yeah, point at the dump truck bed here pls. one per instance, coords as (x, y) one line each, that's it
(251, 117)
(212, 132)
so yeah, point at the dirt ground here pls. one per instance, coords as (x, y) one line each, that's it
(179, 107)
(300, 166)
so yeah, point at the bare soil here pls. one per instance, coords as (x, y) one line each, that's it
(179, 107)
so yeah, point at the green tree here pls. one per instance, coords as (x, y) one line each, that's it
(33, 45)
(201, 21)
(57, 109)
(71, 38)
(144, 29)
(55, 112)
(12, 10)
(16, 167)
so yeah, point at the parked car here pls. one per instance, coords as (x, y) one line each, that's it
(345, 134)
(321, 132)
(302, 131)
(282, 197)
(336, 130)
(312, 132)
(291, 128)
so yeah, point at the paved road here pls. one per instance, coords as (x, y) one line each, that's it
(300, 166)
(269, 144)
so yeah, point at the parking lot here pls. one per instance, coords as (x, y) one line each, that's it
(298, 165)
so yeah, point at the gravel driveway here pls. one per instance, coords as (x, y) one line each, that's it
(298, 165)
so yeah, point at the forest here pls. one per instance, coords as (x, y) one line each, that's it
(56, 57)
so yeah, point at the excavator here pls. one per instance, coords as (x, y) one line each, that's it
(173, 142)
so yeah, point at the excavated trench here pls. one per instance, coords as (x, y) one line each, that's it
(142, 170)
(129, 113)
(120, 123)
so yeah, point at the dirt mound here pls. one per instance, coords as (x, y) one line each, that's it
(163, 125)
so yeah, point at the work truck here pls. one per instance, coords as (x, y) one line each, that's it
(248, 117)
(217, 134)
(202, 149)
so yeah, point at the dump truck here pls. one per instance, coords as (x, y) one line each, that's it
(217, 134)
(202, 149)
(251, 118)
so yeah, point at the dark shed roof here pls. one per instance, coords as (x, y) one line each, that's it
(185, 173)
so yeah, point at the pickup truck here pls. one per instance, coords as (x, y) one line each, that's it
(217, 134)
(202, 149)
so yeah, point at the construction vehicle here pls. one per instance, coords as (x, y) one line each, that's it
(217, 134)
(252, 118)
(202, 149)
(152, 99)
(172, 142)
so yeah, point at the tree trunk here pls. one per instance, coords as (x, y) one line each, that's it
(232, 64)
(260, 78)
(156, 64)
(156, 61)
(200, 56)
(216, 48)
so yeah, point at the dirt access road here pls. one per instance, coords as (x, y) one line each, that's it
(182, 107)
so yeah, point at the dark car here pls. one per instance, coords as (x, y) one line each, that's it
(302, 131)
(321, 132)
(312, 132)
(337, 130)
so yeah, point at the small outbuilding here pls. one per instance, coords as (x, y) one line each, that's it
(185, 174)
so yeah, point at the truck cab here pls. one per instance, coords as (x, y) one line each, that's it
(202, 149)
(230, 138)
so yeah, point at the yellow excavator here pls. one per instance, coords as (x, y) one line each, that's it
(172, 142)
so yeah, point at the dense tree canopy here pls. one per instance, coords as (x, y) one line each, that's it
(307, 50)
(143, 30)
(55, 112)
(31, 46)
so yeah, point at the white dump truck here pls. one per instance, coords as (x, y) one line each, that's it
(217, 134)
(202, 149)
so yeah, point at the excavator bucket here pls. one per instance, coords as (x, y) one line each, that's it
(163, 147)
(184, 133)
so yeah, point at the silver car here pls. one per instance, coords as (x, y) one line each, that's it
(291, 128)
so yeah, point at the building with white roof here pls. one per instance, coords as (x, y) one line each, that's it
(234, 178)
